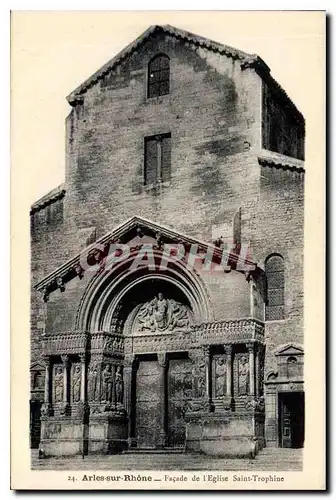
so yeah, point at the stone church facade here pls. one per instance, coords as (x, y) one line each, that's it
(184, 143)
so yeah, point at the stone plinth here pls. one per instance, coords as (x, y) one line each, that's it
(226, 434)
(62, 436)
(108, 432)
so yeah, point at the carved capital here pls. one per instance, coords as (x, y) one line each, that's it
(129, 361)
(206, 351)
(250, 346)
(195, 354)
(82, 358)
(65, 359)
(228, 349)
(47, 360)
(162, 359)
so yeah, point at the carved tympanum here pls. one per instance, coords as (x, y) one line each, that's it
(160, 314)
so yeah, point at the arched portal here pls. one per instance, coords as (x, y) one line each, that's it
(141, 327)
(113, 294)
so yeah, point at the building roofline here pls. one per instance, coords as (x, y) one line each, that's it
(247, 61)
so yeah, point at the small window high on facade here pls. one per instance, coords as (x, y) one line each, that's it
(157, 158)
(274, 268)
(158, 76)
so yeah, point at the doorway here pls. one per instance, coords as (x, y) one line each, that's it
(291, 419)
(35, 423)
(161, 398)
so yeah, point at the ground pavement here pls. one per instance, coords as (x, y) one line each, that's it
(269, 459)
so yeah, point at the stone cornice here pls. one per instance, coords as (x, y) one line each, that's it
(65, 343)
(231, 330)
(275, 160)
(215, 333)
(69, 270)
(54, 195)
(80, 342)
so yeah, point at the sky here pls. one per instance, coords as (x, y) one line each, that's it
(55, 51)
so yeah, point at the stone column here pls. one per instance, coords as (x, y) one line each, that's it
(228, 352)
(113, 402)
(257, 372)
(207, 361)
(127, 399)
(83, 378)
(46, 408)
(66, 388)
(250, 348)
(162, 361)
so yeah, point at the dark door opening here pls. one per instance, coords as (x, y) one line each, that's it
(291, 419)
(35, 423)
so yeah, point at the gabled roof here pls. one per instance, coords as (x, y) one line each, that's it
(246, 61)
(123, 233)
(200, 41)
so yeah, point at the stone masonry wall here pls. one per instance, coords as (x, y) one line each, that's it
(213, 113)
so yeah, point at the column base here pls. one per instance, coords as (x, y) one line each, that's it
(162, 440)
(66, 409)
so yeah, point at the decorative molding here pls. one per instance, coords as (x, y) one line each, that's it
(230, 331)
(71, 268)
(65, 343)
(197, 337)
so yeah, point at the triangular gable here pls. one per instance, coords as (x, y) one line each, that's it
(126, 232)
(246, 59)
(290, 350)
(37, 366)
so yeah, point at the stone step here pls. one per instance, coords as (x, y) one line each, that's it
(153, 451)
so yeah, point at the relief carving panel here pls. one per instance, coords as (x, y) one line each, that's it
(75, 383)
(161, 314)
(58, 384)
(219, 370)
(94, 383)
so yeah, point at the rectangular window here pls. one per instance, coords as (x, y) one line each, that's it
(157, 158)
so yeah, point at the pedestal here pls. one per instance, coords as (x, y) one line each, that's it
(108, 432)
